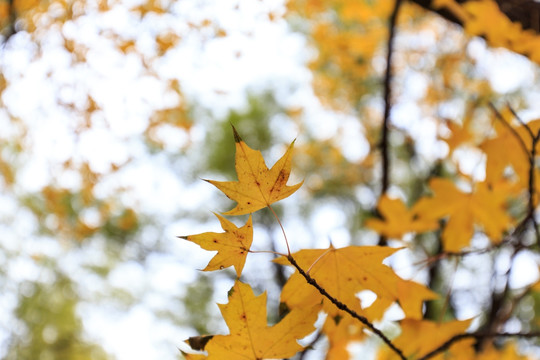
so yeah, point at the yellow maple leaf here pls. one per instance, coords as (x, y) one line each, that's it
(341, 331)
(398, 220)
(257, 186)
(250, 337)
(233, 245)
(419, 337)
(460, 134)
(499, 158)
(483, 207)
(343, 273)
(193, 356)
(411, 295)
(507, 352)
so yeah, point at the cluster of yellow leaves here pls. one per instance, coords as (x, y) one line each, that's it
(62, 210)
(478, 18)
(331, 170)
(419, 337)
(341, 272)
(486, 206)
(346, 42)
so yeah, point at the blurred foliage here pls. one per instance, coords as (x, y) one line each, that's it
(49, 326)
(196, 302)
(255, 122)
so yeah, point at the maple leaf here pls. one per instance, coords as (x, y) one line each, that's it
(499, 158)
(484, 207)
(419, 337)
(233, 245)
(193, 356)
(341, 331)
(343, 273)
(507, 352)
(250, 336)
(411, 295)
(398, 220)
(257, 186)
(460, 134)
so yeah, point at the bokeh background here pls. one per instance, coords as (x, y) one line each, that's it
(113, 111)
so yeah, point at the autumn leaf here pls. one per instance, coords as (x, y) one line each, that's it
(419, 337)
(188, 356)
(499, 158)
(341, 331)
(484, 207)
(507, 352)
(250, 337)
(343, 273)
(398, 220)
(232, 246)
(411, 295)
(460, 134)
(257, 186)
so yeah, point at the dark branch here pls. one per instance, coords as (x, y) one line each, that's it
(478, 336)
(525, 12)
(385, 146)
(388, 98)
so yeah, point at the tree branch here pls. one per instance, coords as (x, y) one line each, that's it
(385, 178)
(525, 12)
(387, 98)
(345, 308)
(478, 336)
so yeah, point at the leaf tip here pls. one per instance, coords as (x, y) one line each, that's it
(198, 342)
(237, 137)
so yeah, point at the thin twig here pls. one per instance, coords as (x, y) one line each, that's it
(532, 184)
(309, 346)
(523, 123)
(477, 336)
(345, 308)
(532, 168)
(282, 229)
(499, 116)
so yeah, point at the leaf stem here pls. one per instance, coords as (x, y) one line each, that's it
(282, 230)
(266, 252)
